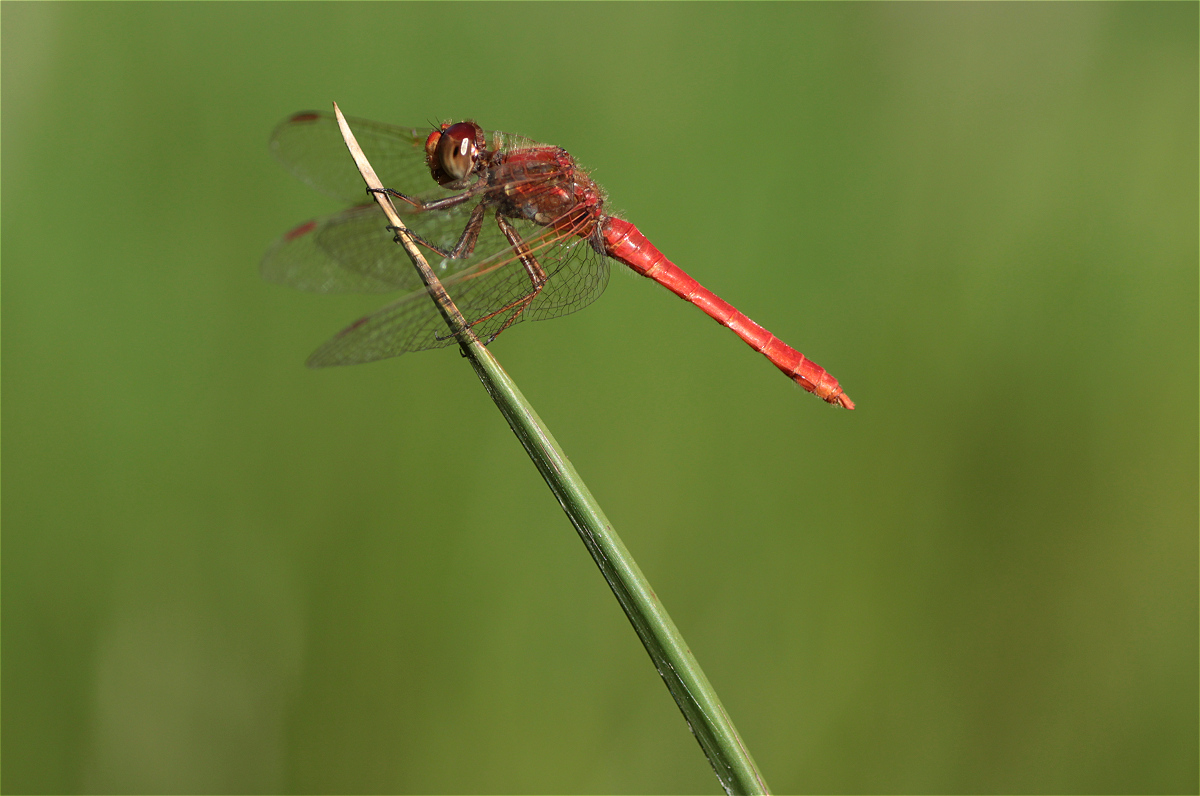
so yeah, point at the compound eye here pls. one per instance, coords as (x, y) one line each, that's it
(457, 151)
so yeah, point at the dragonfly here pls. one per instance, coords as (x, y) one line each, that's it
(515, 230)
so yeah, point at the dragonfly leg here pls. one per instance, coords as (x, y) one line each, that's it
(435, 204)
(466, 241)
(537, 280)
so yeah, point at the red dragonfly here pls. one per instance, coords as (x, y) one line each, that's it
(516, 231)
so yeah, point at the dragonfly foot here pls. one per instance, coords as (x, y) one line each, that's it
(441, 338)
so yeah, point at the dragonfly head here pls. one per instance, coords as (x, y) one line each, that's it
(453, 151)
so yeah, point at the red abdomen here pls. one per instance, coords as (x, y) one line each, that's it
(624, 242)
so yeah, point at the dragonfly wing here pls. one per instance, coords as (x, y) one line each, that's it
(411, 323)
(576, 275)
(310, 145)
(349, 252)
(488, 293)
(497, 289)
(414, 323)
(354, 252)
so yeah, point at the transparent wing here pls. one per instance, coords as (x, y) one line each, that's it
(309, 144)
(318, 256)
(354, 252)
(488, 293)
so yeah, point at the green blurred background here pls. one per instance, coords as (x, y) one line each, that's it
(224, 572)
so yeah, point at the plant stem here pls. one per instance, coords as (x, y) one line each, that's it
(707, 719)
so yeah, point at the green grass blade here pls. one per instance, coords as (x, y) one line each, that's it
(679, 669)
